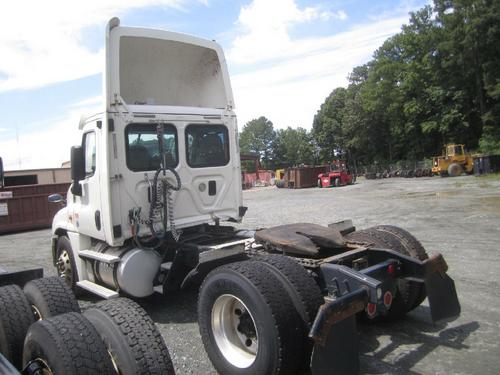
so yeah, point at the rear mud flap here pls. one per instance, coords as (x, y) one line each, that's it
(443, 299)
(340, 353)
(440, 288)
(335, 336)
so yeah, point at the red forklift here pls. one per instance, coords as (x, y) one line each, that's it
(339, 174)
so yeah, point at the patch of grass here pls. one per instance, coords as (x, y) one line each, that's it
(490, 177)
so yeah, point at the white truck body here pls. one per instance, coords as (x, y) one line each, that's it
(155, 77)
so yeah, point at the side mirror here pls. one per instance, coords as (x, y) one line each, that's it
(77, 169)
(1, 173)
(56, 198)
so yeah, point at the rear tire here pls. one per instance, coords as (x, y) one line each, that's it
(67, 344)
(319, 184)
(131, 337)
(413, 248)
(15, 318)
(303, 291)
(50, 296)
(248, 322)
(455, 170)
(337, 181)
(408, 292)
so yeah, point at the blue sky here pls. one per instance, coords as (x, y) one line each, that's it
(284, 57)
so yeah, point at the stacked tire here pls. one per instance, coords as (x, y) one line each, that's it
(42, 330)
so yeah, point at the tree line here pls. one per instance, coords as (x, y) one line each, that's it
(435, 82)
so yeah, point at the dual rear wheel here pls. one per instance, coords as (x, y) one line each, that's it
(254, 316)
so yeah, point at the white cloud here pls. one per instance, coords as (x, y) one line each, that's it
(299, 73)
(41, 41)
(328, 15)
(49, 146)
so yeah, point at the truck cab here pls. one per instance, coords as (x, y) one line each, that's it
(168, 106)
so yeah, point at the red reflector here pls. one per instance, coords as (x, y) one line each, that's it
(391, 270)
(387, 299)
(371, 309)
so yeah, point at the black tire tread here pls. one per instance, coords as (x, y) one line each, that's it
(141, 335)
(306, 288)
(280, 305)
(78, 345)
(412, 245)
(52, 296)
(414, 249)
(407, 293)
(15, 318)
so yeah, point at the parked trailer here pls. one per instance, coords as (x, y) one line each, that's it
(26, 207)
(157, 173)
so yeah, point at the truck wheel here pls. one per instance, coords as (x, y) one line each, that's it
(306, 294)
(248, 322)
(302, 289)
(50, 296)
(413, 248)
(455, 170)
(67, 344)
(131, 337)
(407, 292)
(15, 319)
(337, 181)
(319, 183)
(65, 262)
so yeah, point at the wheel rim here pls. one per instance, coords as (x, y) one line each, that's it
(44, 367)
(64, 268)
(234, 330)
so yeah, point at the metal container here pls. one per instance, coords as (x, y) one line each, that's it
(26, 207)
(485, 164)
(303, 177)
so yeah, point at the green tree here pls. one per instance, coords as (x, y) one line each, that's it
(258, 136)
(327, 127)
(293, 147)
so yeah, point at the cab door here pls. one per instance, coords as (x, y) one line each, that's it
(87, 207)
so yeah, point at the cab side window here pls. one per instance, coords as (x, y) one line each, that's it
(89, 146)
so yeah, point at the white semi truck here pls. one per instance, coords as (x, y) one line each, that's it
(156, 176)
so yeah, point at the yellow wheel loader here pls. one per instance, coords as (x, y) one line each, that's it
(453, 162)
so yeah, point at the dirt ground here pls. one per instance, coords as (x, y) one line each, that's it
(459, 217)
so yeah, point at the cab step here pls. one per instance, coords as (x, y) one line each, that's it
(99, 290)
(101, 257)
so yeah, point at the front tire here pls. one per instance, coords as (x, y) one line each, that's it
(455, 170)
(65, 263)
(248, 322)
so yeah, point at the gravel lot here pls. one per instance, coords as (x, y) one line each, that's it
(459, 217)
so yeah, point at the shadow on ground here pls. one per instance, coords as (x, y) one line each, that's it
(396, 348)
